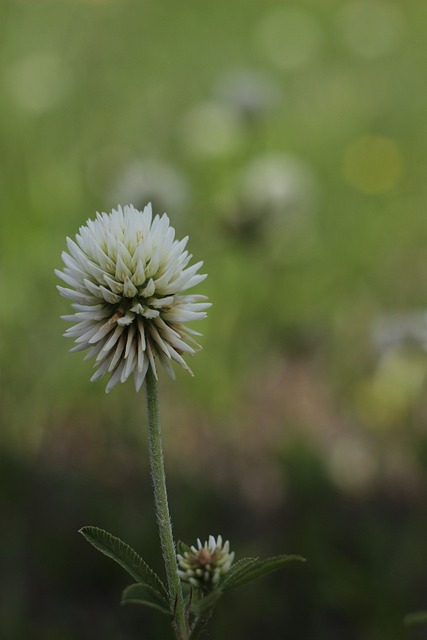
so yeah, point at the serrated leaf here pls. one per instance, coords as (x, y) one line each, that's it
(257, 569)
(125, 556)
(237, 569)
(418, 617)
(140, 593)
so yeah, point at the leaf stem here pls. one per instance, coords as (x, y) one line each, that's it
(200, 625)
(164, 523)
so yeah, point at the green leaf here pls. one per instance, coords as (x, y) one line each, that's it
(418, 617)
(140, 593)
(187, 591)
(182, 548)
(125, 556)
(256, 569)
(237, 569)
(203, 604)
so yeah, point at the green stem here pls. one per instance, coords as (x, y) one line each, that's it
(199, 626)
(162, 509)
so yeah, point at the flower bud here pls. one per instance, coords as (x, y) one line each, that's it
(202, 567)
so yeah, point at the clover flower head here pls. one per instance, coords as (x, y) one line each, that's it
(126, 274)
(202, 567)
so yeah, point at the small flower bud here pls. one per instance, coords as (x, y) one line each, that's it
(202, 567)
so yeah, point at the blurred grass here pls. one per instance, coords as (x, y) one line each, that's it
(91, 89)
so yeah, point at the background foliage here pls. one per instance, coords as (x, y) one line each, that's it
(288, 140)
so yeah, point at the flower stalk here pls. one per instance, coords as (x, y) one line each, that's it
(127, 279)
(162, 508)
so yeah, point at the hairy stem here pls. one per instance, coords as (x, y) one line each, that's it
(162, 509)
(199, 626)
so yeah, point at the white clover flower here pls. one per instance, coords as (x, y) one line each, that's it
(203, 566)
(126, 273)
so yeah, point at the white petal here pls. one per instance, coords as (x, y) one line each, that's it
(150, 313)
(186, 280)
(87, 335)
(129, 340)
(72, 264)
(103, 331)
(138, 309)
(141, 329)
(140, 359)
(158, 340)
(139, 376)
(113, 338)
(149, 289)
(118, 352)
(127, 319)
(114, 378)
(75, 296)
(159, 303)
(93, 288)
(79, 347)
(129, 365)
(167, 365)
(129, 289)
(68, 279)
(183, 315)
(182, 346)
(175, 356)
(116, 287)
(150, 355)
(109, 296)
(122, 270)
(139, 276)
(102, 369)
(96, 350)
(194, 281)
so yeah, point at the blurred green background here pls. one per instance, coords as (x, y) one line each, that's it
(288, 139)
